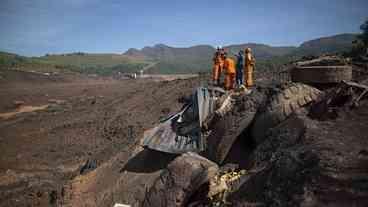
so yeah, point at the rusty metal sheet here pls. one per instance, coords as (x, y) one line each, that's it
(164, 138)
(181, 132)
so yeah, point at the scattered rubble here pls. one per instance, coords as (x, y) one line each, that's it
(221, 185)
(346, 94)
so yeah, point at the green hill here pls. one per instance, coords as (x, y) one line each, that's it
(9, 59)
(14, 61)
(262, 51)
(333, 44)
(176, 60)
(101, 64)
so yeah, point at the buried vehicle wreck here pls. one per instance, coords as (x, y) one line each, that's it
(297, 163)
(208, 124)
(298, 157)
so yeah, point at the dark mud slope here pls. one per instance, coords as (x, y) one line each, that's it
(305, 162)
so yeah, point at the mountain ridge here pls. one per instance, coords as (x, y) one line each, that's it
(198, 57)
(193, 59)
(341, 40)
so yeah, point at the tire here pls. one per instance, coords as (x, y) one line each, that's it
(280, 106)
(226, 129)
(321, 74)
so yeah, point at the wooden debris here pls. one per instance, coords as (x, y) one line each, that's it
(348, 93)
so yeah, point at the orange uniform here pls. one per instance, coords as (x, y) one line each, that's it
(229, 67)
(248, 69)
(221, 63)
(217, 67)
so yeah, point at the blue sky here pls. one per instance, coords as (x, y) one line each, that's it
(36, 27)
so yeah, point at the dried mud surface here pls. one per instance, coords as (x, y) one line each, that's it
(75, 149)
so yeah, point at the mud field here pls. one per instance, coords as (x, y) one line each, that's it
(94, 120)
(74, 141)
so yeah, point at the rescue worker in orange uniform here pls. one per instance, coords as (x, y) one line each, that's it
(249, 67)
(229, 69)
(217, 67)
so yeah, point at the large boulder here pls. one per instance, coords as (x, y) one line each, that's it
(180, 180)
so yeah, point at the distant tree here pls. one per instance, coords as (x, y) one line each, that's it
(364, 36)
(360, 45)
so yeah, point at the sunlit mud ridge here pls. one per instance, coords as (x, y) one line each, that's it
(22, 109)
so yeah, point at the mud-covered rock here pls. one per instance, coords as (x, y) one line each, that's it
(282, 164)
(286, 134)
(306, 162)
(180, 180)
